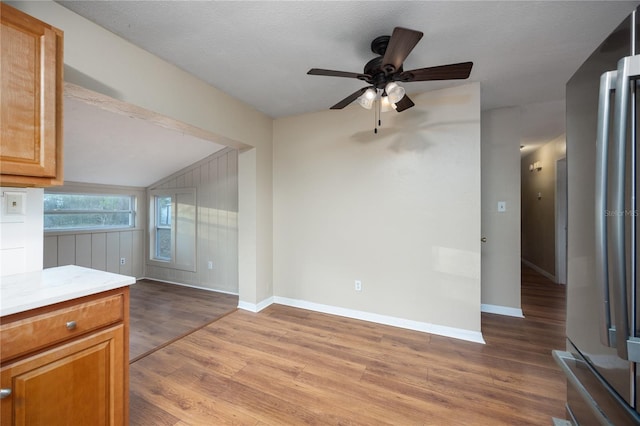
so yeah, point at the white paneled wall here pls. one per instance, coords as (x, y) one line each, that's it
(21, 233)
(216, 181)
(100, 250)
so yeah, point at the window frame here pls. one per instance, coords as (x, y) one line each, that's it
(159, 225)
(176, 232)
(133, 212)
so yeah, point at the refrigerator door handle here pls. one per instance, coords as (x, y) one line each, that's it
(607, 86)
(628, 71)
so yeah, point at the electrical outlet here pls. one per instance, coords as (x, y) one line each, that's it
(123, 260)
(210, 264)
(358, 285)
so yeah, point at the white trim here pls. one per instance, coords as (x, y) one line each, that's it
(188, 285)
(539, 270)
(501, 310)
(255, 307)
(456, 333)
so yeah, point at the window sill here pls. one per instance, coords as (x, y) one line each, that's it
(53, 233)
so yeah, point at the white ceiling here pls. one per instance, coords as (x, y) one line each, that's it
(110, 148)
(259, 52)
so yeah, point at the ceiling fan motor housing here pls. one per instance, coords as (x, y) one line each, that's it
(378, 77)
(379, 44)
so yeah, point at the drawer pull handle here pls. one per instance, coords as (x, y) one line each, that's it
(71, 325)
(4, 393)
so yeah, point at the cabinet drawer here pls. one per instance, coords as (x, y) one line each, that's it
(37, 332)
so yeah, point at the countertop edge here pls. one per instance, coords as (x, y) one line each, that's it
(23, 292)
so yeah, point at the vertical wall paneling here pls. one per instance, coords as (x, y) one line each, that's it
(113, 253)
(83, 250)
(216, 181)
(185, 225)
(126, 246)
(99, 251)
(66, 250)
(137, 254)
(180, 182)
(188, 179)
(50, 252)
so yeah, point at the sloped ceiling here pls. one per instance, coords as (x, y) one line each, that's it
(105, 147)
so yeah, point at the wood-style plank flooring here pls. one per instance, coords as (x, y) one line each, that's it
(291, 366)
(161, 313)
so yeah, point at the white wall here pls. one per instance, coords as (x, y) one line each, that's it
(501, 133)
(399, 210)
(21, 234)
(101, 61)
(216, 181)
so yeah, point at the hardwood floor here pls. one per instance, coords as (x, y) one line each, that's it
(162, 313)
(291, 366)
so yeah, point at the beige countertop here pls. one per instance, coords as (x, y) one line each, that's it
(22, 292)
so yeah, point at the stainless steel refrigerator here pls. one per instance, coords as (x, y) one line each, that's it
(603, 336)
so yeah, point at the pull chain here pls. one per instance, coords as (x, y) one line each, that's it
(375, 116)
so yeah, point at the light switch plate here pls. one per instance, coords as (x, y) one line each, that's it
(15, 202)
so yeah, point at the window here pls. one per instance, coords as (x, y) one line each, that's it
(163, 228)
(65, 211)
(172, 228)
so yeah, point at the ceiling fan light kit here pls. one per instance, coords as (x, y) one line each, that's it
(394, 92)
(367, 98)
(384, 71)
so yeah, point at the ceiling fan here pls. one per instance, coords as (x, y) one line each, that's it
(384, 71)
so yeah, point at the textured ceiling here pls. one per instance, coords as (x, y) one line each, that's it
(259, 52)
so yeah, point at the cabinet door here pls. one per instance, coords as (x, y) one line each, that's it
(80, 383)
(30, 60)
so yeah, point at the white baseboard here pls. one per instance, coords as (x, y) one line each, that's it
(501, 310)
(441, 330)
(539, 270)
(188, 285)
(255, 307)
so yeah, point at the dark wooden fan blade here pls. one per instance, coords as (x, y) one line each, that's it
(332, 73)
(458, 71)
(352, 97)
(401, 44)
(404, 103)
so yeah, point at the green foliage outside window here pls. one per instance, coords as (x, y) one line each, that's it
(87, 211)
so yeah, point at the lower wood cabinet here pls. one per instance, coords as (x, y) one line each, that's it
(82, 380)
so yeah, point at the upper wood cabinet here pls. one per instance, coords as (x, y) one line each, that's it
(31, 70)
